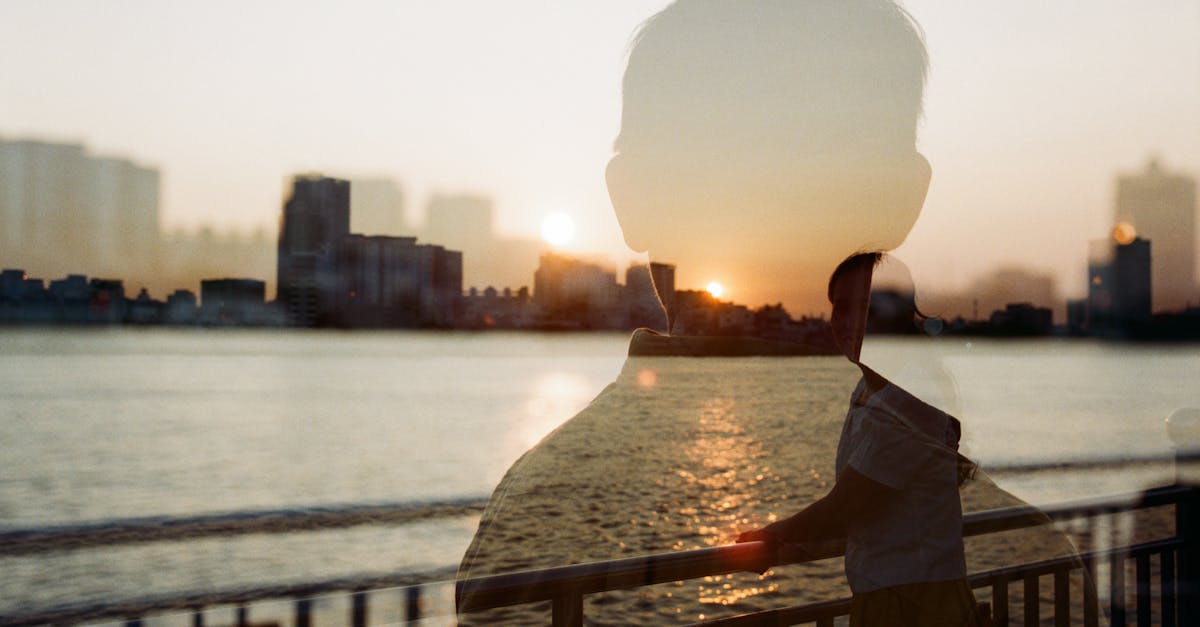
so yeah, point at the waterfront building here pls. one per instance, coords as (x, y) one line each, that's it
(181, 308)
(1022, 319)
(377, 207)
(1119, 285)
(396, 282)
(639, 299)
(576, 293)
(493, 309)
(316, 218)
(466, 222)
(1160, 206)
(106, 301)
(232, 302)
(145, 310)
(62, 207)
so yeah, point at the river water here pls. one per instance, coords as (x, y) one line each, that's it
(102, 424)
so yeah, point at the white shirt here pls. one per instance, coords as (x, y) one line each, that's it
(914, 535)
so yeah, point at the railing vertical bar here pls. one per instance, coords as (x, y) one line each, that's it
(1166, 582)
(825, 621)
(1091, 604)
(303, 613)
(136, 621)
(1032, 616)
(358, 611)
(412, 603)
(1143, 590)
(243, 618)
(198, 616)
(568, 608)
(1000, 601)
(1116, 589)
(1187, 577)
(1062, 598)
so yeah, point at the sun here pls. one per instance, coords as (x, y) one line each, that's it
(558, 229)
(716, 289)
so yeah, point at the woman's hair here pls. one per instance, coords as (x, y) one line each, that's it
(853, 262)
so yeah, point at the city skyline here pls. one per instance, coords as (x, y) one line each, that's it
(1155, 198)
(521, 105)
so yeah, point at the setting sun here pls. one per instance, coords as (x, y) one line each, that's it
(558, 229)
(716, 289)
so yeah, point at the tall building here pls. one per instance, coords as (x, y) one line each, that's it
(466, 222)
(396, 282)
(377, 207)
(1119, 285)
(639, 298)
(316, 218)
(1161, 206)
(463, 221)
(64, 209)
(573, 291)
(232, 301)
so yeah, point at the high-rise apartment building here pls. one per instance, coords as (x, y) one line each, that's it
(1119, 285)
(63, 209)
(396, 282)
(316, 218)
(1161, 207)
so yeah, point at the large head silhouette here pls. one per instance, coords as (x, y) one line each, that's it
(764, 142)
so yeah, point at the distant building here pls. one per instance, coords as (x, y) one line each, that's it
(1161, 207)
(316, 218)
(1021, 319)
(639, 299)
(106, 301)
(377, 207)
(1119, 286)
(181, 308)
(466, 222)
(492, 309)
(576, 293)
(145, 310)
(396, 282)
(232, 302)
(61, 207)
(1077, 316)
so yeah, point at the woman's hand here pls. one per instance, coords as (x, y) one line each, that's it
(771, 534)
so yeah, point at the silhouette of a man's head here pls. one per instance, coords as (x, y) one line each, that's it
(764, 142)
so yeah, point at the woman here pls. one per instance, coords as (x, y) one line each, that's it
(896, 498)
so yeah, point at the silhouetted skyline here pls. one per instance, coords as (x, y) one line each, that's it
(494, 105)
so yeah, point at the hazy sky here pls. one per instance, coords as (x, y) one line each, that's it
(1032, 108)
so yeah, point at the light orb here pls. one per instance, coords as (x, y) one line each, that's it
(558, 229)
(1124, 233)
(716, 289)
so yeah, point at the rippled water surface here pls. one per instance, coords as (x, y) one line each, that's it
(103, 424)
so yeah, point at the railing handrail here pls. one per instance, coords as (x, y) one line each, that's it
(521, 587)
(548, 584)
(164, 528)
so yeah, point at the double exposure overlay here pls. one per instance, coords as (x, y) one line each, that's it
(834, 312)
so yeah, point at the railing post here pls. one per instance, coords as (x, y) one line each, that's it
(1183, 426)
(1187, 527)
(568, 608)
(303, 613)
(412, 603)
(358, 612)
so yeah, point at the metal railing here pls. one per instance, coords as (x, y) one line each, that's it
(565, 587)
(1175, 559)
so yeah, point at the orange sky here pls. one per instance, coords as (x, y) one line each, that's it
(1031, 109)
